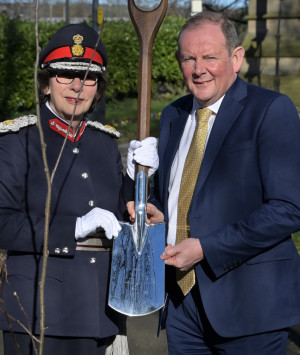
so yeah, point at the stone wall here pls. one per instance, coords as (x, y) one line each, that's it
(262, 37)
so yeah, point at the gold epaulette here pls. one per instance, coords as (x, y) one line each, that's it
(104, 128)
(16, 124)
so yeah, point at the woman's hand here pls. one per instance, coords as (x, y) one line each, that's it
(97, 218)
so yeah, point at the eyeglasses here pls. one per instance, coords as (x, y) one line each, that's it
(68, 78)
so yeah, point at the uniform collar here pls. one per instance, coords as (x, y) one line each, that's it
(63, 127)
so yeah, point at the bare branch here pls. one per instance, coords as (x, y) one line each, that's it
(29, 329)
(48, 198)
(9, 317)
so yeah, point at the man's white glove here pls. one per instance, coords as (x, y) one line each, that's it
(95, 219)
(144, 153)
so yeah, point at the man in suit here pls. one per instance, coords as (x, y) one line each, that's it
(242, 211)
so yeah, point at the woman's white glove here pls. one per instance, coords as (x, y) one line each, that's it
(95, 219)
(144, 153)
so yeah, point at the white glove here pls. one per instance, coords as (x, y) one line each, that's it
(144, 153)
(95, 219)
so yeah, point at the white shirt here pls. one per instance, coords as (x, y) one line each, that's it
(179, 160)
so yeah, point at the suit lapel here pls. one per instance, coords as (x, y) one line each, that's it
(227, 114)
(176, 131)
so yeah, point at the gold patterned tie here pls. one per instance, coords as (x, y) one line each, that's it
(186, 279)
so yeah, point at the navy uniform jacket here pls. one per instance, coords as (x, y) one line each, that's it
(245, 206)
(89, 175)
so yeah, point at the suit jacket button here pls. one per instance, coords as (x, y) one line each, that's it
(57, 251)
(92, 260)
(75, 150)
(84, 175)
(65, 250)
(91, 203)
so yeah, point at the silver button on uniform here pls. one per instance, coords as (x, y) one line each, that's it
(84, 175)
(92, 260)
(75, 151)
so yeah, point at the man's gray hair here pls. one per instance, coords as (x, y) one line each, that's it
(228, 29)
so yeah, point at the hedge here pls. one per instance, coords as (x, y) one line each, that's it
(18, 52)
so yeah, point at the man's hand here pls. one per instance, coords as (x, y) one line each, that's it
(153, 214)
(183, 255)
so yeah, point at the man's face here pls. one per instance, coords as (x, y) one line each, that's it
(207, 67)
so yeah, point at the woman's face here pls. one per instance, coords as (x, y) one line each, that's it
(64, 97)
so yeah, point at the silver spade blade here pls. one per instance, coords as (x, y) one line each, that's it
(137, 280)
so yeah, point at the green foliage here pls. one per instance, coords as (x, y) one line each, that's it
(122, 46)
(165, 67)
(18, 53)
(17, 58)
(123, 56)
(13, 40)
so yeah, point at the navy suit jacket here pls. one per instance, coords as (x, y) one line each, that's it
(244, 209)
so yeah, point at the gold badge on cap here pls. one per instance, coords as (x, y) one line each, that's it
(77, 49)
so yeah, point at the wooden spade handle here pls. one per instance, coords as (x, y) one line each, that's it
(146, 24)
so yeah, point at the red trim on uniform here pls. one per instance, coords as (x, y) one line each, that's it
(62, 129)
(80, 131)
(65, 52)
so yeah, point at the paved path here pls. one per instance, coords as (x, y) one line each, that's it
(142, 337)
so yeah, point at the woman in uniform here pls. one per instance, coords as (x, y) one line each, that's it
(89, 195)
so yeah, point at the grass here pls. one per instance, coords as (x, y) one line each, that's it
(123, 115)
(296, 239)
(289, 85)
